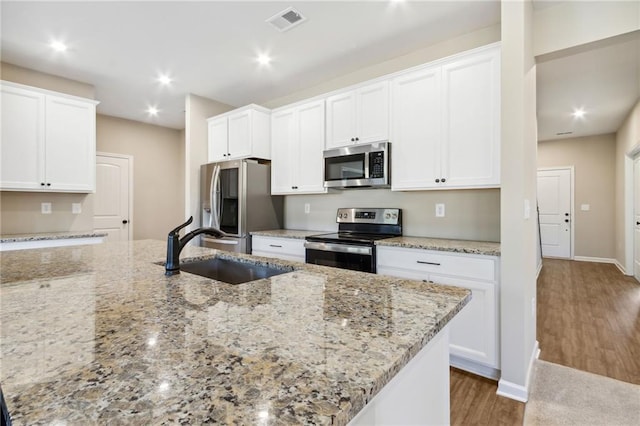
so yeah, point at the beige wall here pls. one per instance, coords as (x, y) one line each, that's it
(10, 72)
(20, 211)
(574, 23)
(593, 158)
(440, 50)
(470, 214)
(197, 110)
(518, 189)
(158, 172)
(627, 138)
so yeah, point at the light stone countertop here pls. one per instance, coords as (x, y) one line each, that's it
(98, 335)
(441, 244)
(16, 238)
(288, 233)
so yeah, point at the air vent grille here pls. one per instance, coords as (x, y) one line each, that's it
(287, 19)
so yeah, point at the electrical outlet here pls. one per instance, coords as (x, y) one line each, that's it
(307, 208)
(585, 207)
(45, 208)
(76, 208)
(440, 210)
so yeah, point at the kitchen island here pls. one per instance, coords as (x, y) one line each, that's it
(97, 334)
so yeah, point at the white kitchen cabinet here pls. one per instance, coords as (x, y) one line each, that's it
(241, 133)
(48, 141)
(446, 124)
(474, 342)
(281, 248)
(358, 116)
(297, 137)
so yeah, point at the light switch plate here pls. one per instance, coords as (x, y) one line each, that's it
(76, 208)
(440, 210)
(45, 208)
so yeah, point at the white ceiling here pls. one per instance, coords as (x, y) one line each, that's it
(210, 49)
(602, 78)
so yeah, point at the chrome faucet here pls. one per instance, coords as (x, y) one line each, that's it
(175, 244)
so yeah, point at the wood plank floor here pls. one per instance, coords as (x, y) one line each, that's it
(588, 319)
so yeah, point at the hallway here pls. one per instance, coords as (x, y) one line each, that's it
(588, 318)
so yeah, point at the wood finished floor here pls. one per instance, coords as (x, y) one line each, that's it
(588, 319)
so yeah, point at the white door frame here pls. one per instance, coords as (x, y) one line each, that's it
(629, 159)
(571, 207)
(130, 212)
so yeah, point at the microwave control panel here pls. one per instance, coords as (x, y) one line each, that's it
(376, 164)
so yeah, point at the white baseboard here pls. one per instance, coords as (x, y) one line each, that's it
(474, 367)
(601, 260)
(594, 259)
(518, 392)
(539, 269)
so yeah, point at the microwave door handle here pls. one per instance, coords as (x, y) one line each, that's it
(215, 193)
(366, 165)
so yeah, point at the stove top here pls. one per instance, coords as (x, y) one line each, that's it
(349, 237)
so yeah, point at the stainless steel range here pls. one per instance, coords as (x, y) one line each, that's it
(353, 246)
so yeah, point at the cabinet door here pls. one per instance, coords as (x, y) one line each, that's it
(471, 120)
(218, 134)
(341, 119)
(284, 151)
(310, 163)
(474, 330)
(22, 144)
(416, 129)
(70, 155)
(240, 134)
(373, 113)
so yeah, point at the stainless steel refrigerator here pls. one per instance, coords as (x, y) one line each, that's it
(236, 198)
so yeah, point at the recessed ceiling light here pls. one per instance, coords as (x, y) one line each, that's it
(152, 111)
(263, 59)
(578, 113)
(164, 79)
(58, 46)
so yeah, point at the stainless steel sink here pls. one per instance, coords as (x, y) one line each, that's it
(229, 271)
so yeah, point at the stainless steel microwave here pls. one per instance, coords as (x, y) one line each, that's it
(358, 166)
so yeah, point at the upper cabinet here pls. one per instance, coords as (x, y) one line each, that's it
(358, 116)
(240, 133)
(48, 141)
(446, 124)
(297, 137)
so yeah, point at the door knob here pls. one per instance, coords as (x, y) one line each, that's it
(125, 221)
(637, 223)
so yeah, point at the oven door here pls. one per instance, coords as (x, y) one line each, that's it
(345, 256)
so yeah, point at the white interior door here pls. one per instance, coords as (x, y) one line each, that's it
(636, 218)
(554, 202)
(111, 202)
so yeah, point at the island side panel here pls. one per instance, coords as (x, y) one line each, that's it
(418, 394)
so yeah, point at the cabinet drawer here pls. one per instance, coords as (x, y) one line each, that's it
(430, 262)
(286, 246)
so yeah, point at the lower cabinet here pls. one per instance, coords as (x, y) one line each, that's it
(281, 248)
(474, 343)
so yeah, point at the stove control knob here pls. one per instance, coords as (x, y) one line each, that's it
(394, 215)
(387, 216)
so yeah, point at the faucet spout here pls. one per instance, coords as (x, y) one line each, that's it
(175, 244)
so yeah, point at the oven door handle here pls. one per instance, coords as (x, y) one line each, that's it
(340, 248)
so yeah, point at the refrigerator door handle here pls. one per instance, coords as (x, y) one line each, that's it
(215, 192)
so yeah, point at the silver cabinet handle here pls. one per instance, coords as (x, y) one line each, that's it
(427, 263)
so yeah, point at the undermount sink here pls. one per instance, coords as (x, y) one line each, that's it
(229, 271)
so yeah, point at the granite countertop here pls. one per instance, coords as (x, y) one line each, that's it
(98, 334)
(288, 233)
(15, 238)
(441, 244)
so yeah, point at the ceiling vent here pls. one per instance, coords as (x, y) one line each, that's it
(287, 19)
